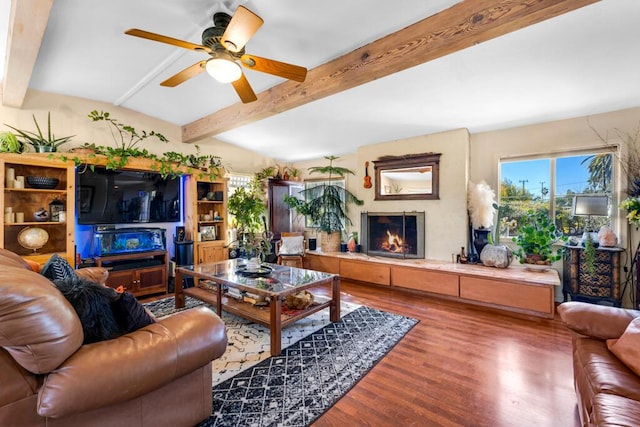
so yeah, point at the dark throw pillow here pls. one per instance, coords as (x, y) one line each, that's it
(92, 302)
(58, 268)
(130, 314)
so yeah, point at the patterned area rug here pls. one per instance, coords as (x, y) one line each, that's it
(310, 375)
(249, 343)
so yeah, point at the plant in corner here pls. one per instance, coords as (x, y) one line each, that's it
(326, 204)
(535, 239)
(40, 142)
(247, 208)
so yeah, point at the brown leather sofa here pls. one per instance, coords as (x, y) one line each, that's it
(159, 375)
(608, 391)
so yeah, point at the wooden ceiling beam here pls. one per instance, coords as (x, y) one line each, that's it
(461, 26)
(27, 23)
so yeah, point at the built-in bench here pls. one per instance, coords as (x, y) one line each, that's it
(514, 289)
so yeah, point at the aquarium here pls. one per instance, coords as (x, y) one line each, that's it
(127, 240)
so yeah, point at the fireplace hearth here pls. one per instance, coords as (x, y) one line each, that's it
(393, 234)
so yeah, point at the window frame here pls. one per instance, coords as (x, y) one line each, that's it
(616, 179)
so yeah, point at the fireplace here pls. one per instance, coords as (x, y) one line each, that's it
(393, 234)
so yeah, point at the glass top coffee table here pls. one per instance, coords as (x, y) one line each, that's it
(214, 283)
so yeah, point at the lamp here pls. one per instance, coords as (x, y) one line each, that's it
(223, 68)
(590, 205)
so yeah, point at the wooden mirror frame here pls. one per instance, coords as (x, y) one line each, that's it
(389, 163)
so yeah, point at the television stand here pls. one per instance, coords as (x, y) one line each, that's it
(141, 273)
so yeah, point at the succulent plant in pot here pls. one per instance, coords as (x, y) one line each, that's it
(535, 239)
(40, 142)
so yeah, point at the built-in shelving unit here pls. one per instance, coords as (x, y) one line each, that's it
(26, 200)
(206, 218)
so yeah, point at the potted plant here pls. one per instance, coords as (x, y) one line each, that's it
(247, 208)
(9, 143)
(326, 204)
(535, 239)
(40, 142)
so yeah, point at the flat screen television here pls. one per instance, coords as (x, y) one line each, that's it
(126, 197)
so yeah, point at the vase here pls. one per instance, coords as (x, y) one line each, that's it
(44, 149)
(480, 239)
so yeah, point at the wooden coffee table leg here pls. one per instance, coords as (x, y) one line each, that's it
(219, 299)
(276, 326)
(179, 295)
(334, 311)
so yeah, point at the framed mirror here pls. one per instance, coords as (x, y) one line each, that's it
(408, 177)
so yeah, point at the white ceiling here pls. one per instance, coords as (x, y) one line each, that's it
(584, 62)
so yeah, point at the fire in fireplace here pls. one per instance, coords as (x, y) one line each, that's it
(393, 234)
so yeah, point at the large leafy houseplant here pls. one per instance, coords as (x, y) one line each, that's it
(247, 208)
(535, 239)
(326, 203)
(41, 143)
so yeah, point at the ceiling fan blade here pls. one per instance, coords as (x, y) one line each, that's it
(241, 28)
(164, 39)
(244, 90)
(277, 68)
(185, 74)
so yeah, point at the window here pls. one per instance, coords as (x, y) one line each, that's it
(236, 181)
(550, 184)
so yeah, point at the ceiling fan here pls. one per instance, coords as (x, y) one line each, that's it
(225, 42)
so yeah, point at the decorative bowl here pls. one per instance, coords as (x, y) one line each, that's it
(42, 182)
(33, 238)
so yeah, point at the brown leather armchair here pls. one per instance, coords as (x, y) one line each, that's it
(49, 378)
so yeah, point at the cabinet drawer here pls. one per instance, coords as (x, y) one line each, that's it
(595, 291)
(322, 263)
(536, 298)
(594, 279)
(365, 272)
(423, 280)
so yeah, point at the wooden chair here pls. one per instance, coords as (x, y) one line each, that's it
(287, 242)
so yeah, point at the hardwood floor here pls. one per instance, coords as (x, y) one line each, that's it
(461, 366)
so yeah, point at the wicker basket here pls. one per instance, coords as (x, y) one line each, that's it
(330, 242)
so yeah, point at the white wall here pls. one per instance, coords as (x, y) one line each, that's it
(446, 219)
(488, 148)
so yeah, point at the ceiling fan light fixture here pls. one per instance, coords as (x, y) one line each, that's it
(223, 70)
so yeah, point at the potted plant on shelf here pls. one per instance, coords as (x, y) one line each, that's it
(9, 143)
(40, 142)
(535, 239)
(326, 204)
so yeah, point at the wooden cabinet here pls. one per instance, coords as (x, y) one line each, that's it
(26, 200)
(141, 273)
(210, 253)
(281, 217)
(511, 289)
(598, 285)
(206, 218)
